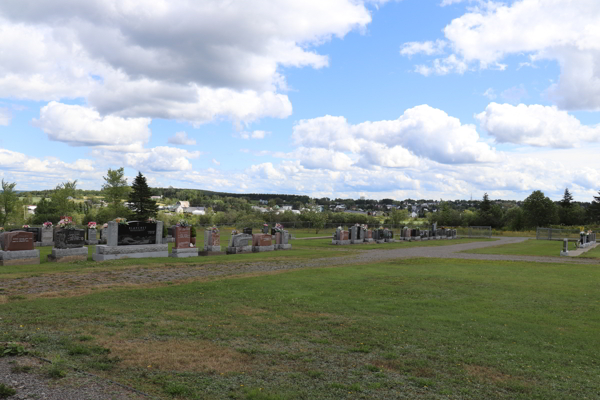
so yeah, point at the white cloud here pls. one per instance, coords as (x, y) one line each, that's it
(254, 135)
(562, 30)
(5, 116)
(264, 171)
(156, 159)
(490, 94)
(443, 66)
(514, 94)
(182, 139)
(215, 162)
(81, 126)
(427, 48)
(421, 132)
(536, 125)
(176, 59)
(450, 2)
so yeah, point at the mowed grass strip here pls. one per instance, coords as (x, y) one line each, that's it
(419, 328)
(531, 247)
(399, 244)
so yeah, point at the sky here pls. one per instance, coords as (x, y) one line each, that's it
(433, 99)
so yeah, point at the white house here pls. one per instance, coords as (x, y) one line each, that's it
(286, 208)
(194, 210)
(180, 205)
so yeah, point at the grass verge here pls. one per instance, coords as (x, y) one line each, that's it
(418, 328)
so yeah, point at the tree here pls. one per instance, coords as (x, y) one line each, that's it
(594, 209)
(539, 210)
(115, 189)
(514, 219)
(397, 217)
(486, 204)
(143, 206)
(567, 199)
(60, 197)
(317, 220)
(8, 200)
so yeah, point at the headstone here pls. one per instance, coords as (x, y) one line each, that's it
(92, 236)
(18, 241)
(18, 249)
(248, 231)
(565, 250)
(69, 246)
(212, 241)
(240, 243)
(265, 229)
(182, 237)
(37, 232)
(340, 237)
(132, 240)
(47, 236)
(69, 238)
(171, 231)
(262, 242)
(137, 233)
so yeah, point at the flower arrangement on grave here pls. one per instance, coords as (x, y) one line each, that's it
(47, 225)
(339, 228)
(91, 225)
(66, 224)
(121, 221)
(1, 229)
(364, 227)
(278, 228)
(105, 225)
(183, 224)
(214, 229)
(151, 220)
(234, 232)
(25, 226)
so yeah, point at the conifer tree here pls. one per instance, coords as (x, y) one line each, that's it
(594, 209)
(143, 206)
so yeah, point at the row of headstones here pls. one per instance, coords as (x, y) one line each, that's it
(248, 242)
(358, 235)
(585, 240)
(433, 234)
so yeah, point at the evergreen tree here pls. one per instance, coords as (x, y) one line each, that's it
(115, 187)
(143, 206)
(567, 199)
(486, 204)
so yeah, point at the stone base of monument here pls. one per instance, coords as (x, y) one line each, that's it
(438, 237)
(19, 257)
(357, 241)
(136, 251)
(390, 240)
(68, 255)
(238, 250)
(340, 242)
(92, 242)
(369, 240)
(380, 241)
(565, 253)
(259, 249)
(212, 249)
(182, 253)
(283, 247)
(416, 238)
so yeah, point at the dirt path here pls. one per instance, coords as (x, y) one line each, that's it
(73, 282)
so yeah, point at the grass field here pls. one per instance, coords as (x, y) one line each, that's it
(550, 248)
(418, 328)
(527, 248)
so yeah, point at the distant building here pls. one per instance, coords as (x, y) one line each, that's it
(194, 210)
(180, 205)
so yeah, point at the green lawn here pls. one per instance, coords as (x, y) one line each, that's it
(419, 328)
(326, 244)
(594, 253)
(529, 247)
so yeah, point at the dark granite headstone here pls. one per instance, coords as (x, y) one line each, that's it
(37, 232)
(69, 238)
(265, 230)
(136, 233)
(247, 231)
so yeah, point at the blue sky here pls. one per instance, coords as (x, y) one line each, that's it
(401, 99)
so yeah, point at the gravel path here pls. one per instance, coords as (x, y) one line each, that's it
(34, 384)
(135, 276)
